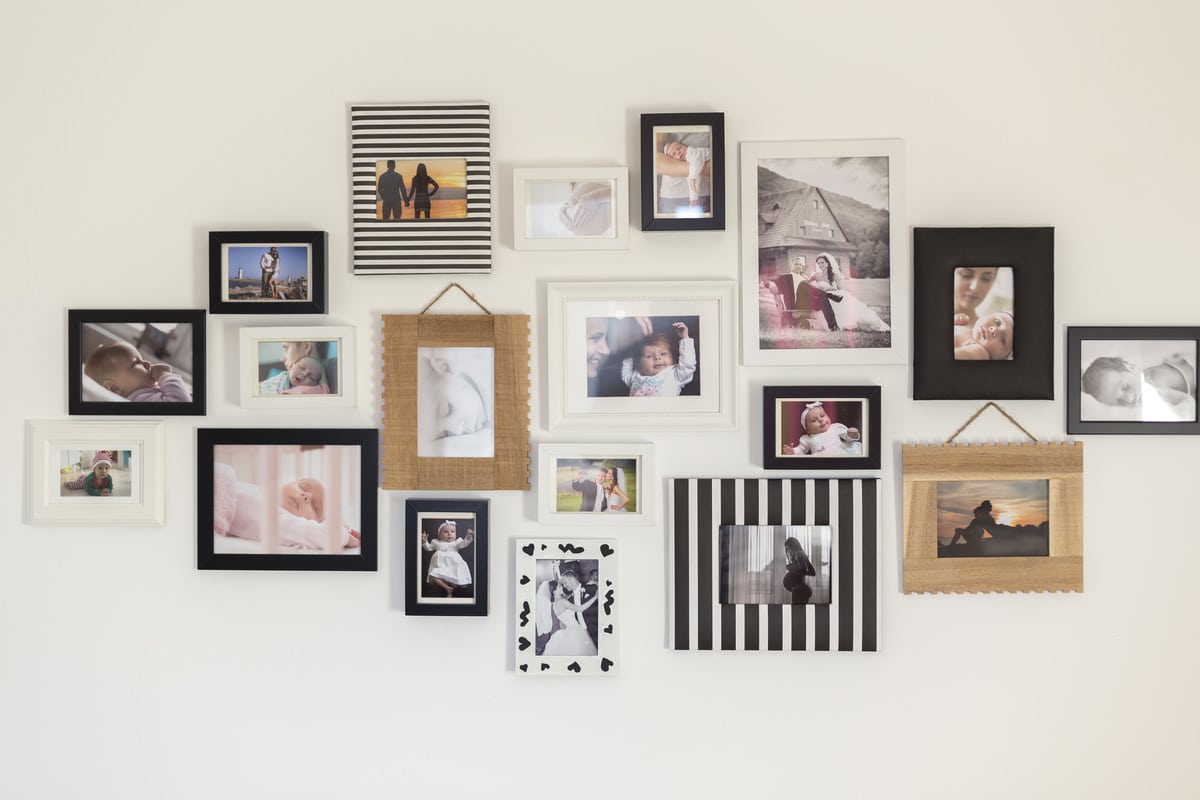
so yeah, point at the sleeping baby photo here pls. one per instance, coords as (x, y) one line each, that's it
(294, 498)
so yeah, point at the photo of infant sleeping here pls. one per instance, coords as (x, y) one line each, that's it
(286, 499)
(1145, 381)
(136, 362)
(297, 368)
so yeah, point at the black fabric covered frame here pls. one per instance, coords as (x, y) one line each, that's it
(936, 254)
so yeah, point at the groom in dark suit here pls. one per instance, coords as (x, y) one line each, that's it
(590, 490)
(801, 295)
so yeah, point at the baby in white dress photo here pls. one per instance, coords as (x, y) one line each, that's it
(447, 569)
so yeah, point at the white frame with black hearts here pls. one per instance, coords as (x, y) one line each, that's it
(528, 553)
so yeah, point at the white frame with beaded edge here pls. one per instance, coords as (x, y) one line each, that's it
(526, 660)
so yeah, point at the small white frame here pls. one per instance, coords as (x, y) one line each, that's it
(248, 369)
(524, 182)
(525, 580)
(568, 305)
(45, 439)
(646, 483)
(751, 153)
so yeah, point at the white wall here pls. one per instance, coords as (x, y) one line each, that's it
(131, 129)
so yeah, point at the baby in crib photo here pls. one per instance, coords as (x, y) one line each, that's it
(240, 511)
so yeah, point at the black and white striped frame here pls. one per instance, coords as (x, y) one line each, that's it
(696, 620)
(414, 131)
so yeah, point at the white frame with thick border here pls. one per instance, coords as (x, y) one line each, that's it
(45, 506)
(528, 553)
(568, 305)
(249, 339)
(647, 483)
(898, 236)
(522, 177)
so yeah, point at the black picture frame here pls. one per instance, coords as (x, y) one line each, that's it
(650, 151)
(1030, 254)
(774, 456)
(1077, 335)
(103, 325)
(316, 276)
(208, 439)
(418, 600)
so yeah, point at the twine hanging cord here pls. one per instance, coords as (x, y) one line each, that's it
(983, 408)
(455, 285)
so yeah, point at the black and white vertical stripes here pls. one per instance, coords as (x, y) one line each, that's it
(699, 506)
(414, 132)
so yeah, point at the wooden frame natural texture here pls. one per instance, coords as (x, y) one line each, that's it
(508, 336)
(1059, 463)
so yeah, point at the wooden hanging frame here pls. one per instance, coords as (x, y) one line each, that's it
(404, 339)
(926, 467)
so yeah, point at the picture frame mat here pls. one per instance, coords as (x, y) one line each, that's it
(899, 289)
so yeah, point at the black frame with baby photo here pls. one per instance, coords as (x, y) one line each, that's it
(101, 327)
(546, 644)
(315, 278)
(860, 405)
(365, 473)
(654, 126)
(421, 595)
(937, 374)
(1123, 339)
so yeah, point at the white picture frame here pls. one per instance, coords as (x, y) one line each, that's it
(546, 642)
(589, 395)
(564, 208)
(136, 473)
(259, 343)
(635, 478)
(776, 241)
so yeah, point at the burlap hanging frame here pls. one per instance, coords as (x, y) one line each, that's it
(508, 337)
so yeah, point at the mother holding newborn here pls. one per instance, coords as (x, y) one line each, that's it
(972, 285)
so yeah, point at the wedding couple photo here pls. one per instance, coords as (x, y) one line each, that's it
(591, 486)
(567, 613)
(824, 255)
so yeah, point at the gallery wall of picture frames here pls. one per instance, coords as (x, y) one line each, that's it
(788, 560)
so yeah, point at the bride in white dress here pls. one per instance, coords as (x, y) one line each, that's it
(572, 638)
(612, 481)
(852, 314)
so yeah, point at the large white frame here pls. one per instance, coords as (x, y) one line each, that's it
(567, 307)
(898, 235)
(347, 355)
(46, 506)
(647, 483)
(523, 177)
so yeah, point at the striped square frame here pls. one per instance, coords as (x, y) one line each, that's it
(698, 507)
(421, 132)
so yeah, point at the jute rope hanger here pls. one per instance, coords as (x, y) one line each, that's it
(455, 285)
(983, 408)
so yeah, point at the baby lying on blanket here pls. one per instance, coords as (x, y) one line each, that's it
(238, 511)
